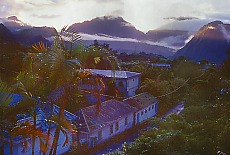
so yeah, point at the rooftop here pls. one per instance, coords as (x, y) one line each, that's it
(141, 101)
(115, 74)
(109, 112)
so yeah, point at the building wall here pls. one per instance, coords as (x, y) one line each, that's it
(127, 86)
(122, 86)
(106, 133)
(146, 113)
(133, 85)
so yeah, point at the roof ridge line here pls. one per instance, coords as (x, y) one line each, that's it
(133, 96)
(85, 120)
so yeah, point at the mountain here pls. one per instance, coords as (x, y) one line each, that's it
(29, 40)
(39, 31)
(109, 25)
(210, 43)
(26, 39)
(174, 38)
(14, 24)
(115, 31)
(130, 47)
(120, 35)
(5, 34)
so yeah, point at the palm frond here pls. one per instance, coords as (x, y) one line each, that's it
(40, 47)
(66, 137)
(26, 82)
(43, 147)
(5, 94)
(97, 60)
(71, 35)
(60, 70)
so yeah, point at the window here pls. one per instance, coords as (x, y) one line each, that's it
(152, 106)
(111, 129)
(100, 135)
(149, 108)
(146, 110)
(126, 120)
(117, 126)
(142, 113)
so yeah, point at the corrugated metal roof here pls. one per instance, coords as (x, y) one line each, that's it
(161, 65)
(141, 101)
(109, 112)
(114, 74)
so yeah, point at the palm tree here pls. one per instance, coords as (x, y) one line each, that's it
(5, 100)
(10, 125)
(28, 85)
(60, 71)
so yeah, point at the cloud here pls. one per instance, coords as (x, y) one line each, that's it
(39, 3)
(218, 15)
(9, 8)
(104, 1)
(118, 12)
(180, 18)
(143, 14)
(46, 16)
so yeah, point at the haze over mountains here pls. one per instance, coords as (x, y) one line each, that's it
(207, 43)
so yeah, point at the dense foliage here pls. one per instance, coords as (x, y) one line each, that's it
(203, 127)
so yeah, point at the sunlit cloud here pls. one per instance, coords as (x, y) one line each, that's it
(46, 16)
(143, 14)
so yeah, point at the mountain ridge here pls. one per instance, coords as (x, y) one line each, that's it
(210, 43)
(7, 36)
(114, 26)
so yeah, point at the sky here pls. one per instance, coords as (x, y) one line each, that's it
(143, 14)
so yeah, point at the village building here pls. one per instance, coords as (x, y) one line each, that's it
(146, 105)
(126, 82)
(101, 123)
(95, 124)
(161, 66)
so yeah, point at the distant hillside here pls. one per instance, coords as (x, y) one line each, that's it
(210, 43)
(14, 24)
(26, 39)
(130, 47)
(39, 31)
(5, 34)
(171, 37)
(114, 26)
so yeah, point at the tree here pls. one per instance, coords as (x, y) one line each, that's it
(59, 72)
(226, 65)
(10, 125)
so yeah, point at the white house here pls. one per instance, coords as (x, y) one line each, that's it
(98, 123)
(145, 104)
(105, 121)
(126, 82)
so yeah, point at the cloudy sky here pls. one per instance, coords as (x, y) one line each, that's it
(143, 14)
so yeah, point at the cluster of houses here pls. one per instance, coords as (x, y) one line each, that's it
(95, 126)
